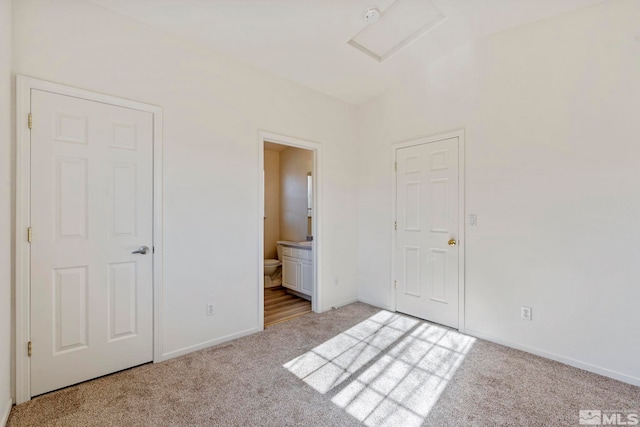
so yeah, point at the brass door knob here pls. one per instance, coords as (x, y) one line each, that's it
(452, 242)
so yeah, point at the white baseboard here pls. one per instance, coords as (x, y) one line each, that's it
(558, 358)
(4, 415)
(206, 344)
(376, 304)
(342, 304)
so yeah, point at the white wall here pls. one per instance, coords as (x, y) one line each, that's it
(213, 111)
(552, 171)
(5, 210)
(295, 164)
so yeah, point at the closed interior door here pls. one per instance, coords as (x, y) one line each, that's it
(427, 231)
(91, 207)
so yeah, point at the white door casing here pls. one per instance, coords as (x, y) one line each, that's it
(317, 304)
(89, 186)
(428, 265)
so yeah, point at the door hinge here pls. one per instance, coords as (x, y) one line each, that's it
(29, 349)
(30, 121)
(395, 284)
(395, 166)
(395, 225)
(29, 234)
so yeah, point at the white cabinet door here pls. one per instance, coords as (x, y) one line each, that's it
(290, 273)
(306, 277)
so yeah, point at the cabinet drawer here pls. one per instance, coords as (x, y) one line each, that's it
(302, 253)
(287, 251)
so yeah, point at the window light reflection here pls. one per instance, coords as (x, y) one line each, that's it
(393, 367)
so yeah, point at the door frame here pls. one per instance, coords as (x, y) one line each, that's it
(461, 214)
(24, 85)
(316, 225)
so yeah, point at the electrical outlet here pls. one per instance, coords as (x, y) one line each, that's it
(210, 310)
(525, 313)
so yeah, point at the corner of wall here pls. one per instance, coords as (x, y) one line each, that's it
(6, 410)
(6, 233)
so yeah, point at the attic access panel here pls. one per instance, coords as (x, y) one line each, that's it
(400, 24)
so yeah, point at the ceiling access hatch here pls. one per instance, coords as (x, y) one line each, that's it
(399, 24)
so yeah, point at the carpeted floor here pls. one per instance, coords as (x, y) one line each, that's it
(351, 366)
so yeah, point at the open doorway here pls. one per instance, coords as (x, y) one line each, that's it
(289, 226)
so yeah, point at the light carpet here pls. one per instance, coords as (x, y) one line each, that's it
(356, 365)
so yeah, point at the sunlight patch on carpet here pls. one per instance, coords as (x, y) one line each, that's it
(412, 363)
(335, 360)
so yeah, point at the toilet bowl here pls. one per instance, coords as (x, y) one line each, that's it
(270, 266)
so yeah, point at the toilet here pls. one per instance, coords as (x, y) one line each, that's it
(270, 267)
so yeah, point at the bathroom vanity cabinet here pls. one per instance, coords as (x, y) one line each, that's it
(297, 270)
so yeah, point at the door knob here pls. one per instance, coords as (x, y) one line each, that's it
(141, 250)
(452, 242)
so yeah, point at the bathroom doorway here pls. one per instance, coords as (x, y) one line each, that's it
(289, 229)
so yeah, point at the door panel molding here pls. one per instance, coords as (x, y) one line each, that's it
(395, 269)
(24, 86)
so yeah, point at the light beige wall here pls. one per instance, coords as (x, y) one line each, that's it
(271, 203)
(214, 109)
(552, 160)
(295, 164)
(5, 209)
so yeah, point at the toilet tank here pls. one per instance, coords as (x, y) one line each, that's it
(279, 249)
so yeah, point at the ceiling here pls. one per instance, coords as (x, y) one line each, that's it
(306, 41)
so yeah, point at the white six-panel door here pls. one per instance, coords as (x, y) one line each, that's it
(91, 207)
(427, 231)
